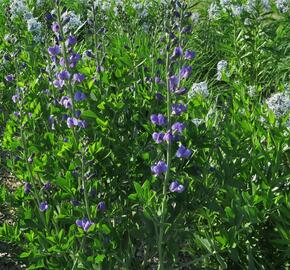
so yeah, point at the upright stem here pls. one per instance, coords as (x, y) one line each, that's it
(167, 174)
(81, 180)
(84, 188)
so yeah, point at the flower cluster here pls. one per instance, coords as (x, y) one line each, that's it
(64, 61)
(282, 5)
(279, 103)
(174, 130)
(222, 68)
(85, 224)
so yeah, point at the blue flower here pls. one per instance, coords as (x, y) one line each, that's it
(101, 206)
(173, 83)
(43, 206)
(185, 72)
(79, 96)
(78, 77)
(177, 52)
(176, 187)
(66, 102)
(159, 120)
(27, 188)
(183, 152)
(158, 137)
(63, 75)
(71, 122)
(189, 55)
(84, 223)
(71, 41)
(178, 108)
(178, 127)
(159, 168)
(55, 50)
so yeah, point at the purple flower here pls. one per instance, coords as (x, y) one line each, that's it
(30, 159)
(78, 113)
(82, 124)
(47, 186)
(181, 91)
(9, 78)
(71, 41)
(43, 206)
(78, 77)
(89, 53)
(158, 137)
(168, 136)
(157, 80)
(101, 206)
(62, 61)
(55, 50)
(178, 127)
(159, 168)
(55, 27)
(64, 117)
(27, 188)
(79, 96)
(173, 83)
(73, 59)
(58, 83)
(100, 69)
(46, 91)
(71, 122)
(63, 75)
(189, 55)
(48, 16)
(66, 102)
(65, 139)
(177, 52)
(176, 187)
(185, 72)
(178, 108)
(183, 152)
(186, 29)
(158, 120)
(75, 202)
(16, 98)
(159, 97)
(84, 223)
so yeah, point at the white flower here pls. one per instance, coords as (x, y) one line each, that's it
(195, 17)
(251, 90)
(213, 11)
(282, 5)
(266, 5)
(225, 4)
(247, 21)
(279, 103)
(236, 10)
(73, 21)
(250, 6)
(221, 68)
(197, 121)
(198, 89)
(19, 8)
(33, 25)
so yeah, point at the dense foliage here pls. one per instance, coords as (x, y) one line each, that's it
(146, 135)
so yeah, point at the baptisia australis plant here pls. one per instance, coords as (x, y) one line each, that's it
(169, 128)
(68, 81)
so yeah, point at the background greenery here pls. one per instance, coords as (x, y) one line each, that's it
(235, 212)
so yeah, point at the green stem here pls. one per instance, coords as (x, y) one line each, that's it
(167, 174)
(85, 189)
